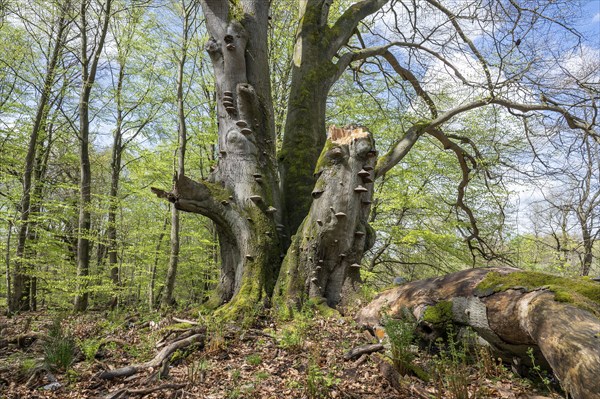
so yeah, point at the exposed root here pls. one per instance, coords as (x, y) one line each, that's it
(196, 335)
(127, 392)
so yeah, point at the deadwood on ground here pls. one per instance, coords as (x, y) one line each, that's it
(511, 318)
(162, 358)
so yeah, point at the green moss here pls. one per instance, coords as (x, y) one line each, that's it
(440, 314)
(219, 193)
(178, 326)
(578, 291)
(319, 305)
(323, 159)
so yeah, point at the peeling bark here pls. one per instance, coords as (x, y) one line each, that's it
(512, 320)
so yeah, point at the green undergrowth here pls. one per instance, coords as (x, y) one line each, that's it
(578, 291)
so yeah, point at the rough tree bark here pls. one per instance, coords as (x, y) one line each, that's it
(241, 195)
(511, 317)
(323, 261)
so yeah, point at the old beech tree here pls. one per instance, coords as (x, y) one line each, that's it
(292, 224)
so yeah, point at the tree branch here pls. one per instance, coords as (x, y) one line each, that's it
(347, 23)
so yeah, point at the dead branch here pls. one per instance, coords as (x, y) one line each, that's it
(362, 350)
(158, 360)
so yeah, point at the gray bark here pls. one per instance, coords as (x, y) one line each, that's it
(241, 195)
(325, 255)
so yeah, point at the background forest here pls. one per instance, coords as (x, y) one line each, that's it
(69, 176)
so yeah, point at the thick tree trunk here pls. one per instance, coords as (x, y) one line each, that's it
(324, 258)
(241, 195)
(513, 311)
(313, 74)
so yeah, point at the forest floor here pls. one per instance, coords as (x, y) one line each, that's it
(304, 359)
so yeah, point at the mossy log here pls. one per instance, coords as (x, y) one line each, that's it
(513, 311)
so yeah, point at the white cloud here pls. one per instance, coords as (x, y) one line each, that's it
(596, 17)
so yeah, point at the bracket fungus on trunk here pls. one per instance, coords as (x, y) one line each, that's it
(329, 232)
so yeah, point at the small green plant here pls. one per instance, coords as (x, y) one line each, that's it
(262, 375)
(541, 374)
(27, 366)
(254, 359)
(235, 393)
(487, 363)
(291, 339)
(196, 371)
(235, 375)
(215, 336)
(59, 347)
(451, 368)
(90, 348)
(318, 383)
(401, 334)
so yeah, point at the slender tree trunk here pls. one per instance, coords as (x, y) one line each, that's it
(189, 12)
(588, 255)
(168, 299)
(113, 206)
(19, 299)
(89, 69)
(151, 285)
(7, 260)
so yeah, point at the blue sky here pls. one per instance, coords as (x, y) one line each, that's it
(590, 22)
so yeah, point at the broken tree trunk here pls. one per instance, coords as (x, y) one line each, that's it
(323, 261)
(513, 311)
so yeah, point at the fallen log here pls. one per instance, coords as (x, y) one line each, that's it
(513, 311)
